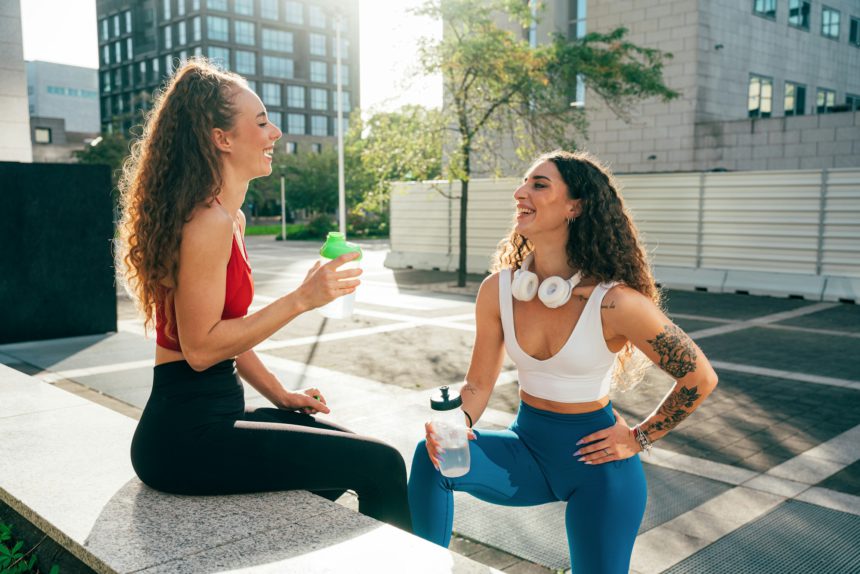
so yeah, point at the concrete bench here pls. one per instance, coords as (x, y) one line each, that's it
(66, 470)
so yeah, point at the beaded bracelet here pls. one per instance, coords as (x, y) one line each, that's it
(642, 439)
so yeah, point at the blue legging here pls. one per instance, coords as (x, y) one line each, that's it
(532, 463)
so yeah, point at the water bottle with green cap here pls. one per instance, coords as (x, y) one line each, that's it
(335, 246)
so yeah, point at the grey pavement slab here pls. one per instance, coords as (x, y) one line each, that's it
(846, 480)
(727, 305)
(794, 538)
(844, 317)
(81, 352)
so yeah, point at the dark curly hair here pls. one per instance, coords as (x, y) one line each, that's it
(603, 241)
(173, 167)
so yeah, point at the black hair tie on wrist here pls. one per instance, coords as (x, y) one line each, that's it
(468, 417)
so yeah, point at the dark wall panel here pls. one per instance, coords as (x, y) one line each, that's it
(56, 262)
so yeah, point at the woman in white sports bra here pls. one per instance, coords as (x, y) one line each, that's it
(571, 297)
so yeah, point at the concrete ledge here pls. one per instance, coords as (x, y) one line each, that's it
(68, 472)
(842, 289)
(776, 284)
(690, 279)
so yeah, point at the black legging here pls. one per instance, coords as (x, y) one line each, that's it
(195, 437)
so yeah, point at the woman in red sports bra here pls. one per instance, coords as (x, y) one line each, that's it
(207, 136)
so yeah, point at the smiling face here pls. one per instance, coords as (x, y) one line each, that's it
(543, 203)
(248, 146)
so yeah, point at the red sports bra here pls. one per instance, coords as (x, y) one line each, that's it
(237, 297)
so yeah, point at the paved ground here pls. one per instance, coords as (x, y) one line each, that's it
(776, 445)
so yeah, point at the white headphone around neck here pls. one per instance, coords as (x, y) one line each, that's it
(553, 292)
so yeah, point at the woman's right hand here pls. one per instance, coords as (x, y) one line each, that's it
(324, 283)
(434, 449)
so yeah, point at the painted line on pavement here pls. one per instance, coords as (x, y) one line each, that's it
(54, 376)
(761, 321)
(780, 374)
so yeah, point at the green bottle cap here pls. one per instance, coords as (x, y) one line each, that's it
(336, 245)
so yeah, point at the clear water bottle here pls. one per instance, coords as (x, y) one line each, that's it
(449, 426)
(335, 246)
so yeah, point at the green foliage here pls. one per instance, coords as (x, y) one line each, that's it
(110, 151)
(497, 83)
(12, 558)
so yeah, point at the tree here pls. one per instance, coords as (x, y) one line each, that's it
(111, 150)
(496, 82)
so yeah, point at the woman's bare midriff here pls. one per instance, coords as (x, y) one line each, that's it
(165, 355)
(563, 408)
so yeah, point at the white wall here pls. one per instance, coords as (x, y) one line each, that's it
(14, 114)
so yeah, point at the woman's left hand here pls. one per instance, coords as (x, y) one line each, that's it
(609, 444)
(309, 401)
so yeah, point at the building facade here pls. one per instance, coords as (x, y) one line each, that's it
(64, 110)
(750, 74)
(14, 119)
(286, 49)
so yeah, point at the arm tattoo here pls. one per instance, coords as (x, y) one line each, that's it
(611, 305)
(674, 409)
(468, 387)
(676, 351)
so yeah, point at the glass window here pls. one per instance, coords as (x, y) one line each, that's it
(180, 7)
(154, 68)
(272, 94)
(277, 40)
(290, 147)
(798, 14)
(246, 62)
(316, 148)
(269, 9)
(128, 22)
(319, 99)
(141, 73)
(295, 13)
(825, 100)
(344, 73)
(795, 99)
(275, 118)
(183, 56)
(830, 23)
(106, 53)
(116, 25)
(42, 135)
(252, 85)
(220, 56)
(195, 29)
(766, 8)
(244, 32)
(344, 124)
(344, 48)
(105, 29)
(106, 82)
(295, 96)
(317, 44)
(576, 19)
(319, 125)
(295, 124)
(277, 67)
(195, 4)
(167, 34)
(316, 17)
(217, 28)
(180, 34)
(129, 49)
(760, 96)
(166, 11)
(852, 101)
(245, 7)
(319, 72)
(198, 51)
(117, 52)
(168, 64)
(347, 105)
(854, 32)
(217, 5)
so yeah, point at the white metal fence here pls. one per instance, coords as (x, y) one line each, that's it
(794, 233)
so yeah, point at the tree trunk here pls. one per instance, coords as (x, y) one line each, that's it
(464, 201)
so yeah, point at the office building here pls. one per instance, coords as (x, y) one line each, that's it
(764, 84)
(14, 119)
(285, 48)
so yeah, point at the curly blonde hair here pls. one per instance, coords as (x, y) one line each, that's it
(603, 242)
(173, 168)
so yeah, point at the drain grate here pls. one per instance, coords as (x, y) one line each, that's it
(793, 538)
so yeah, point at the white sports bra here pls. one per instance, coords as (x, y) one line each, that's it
(581, 371)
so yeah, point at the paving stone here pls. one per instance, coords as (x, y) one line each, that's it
(726, 305)
(846, 480)
(845, 317)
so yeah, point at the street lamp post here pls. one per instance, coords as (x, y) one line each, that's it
(341, 190)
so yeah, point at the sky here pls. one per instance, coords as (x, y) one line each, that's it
(388, 41)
